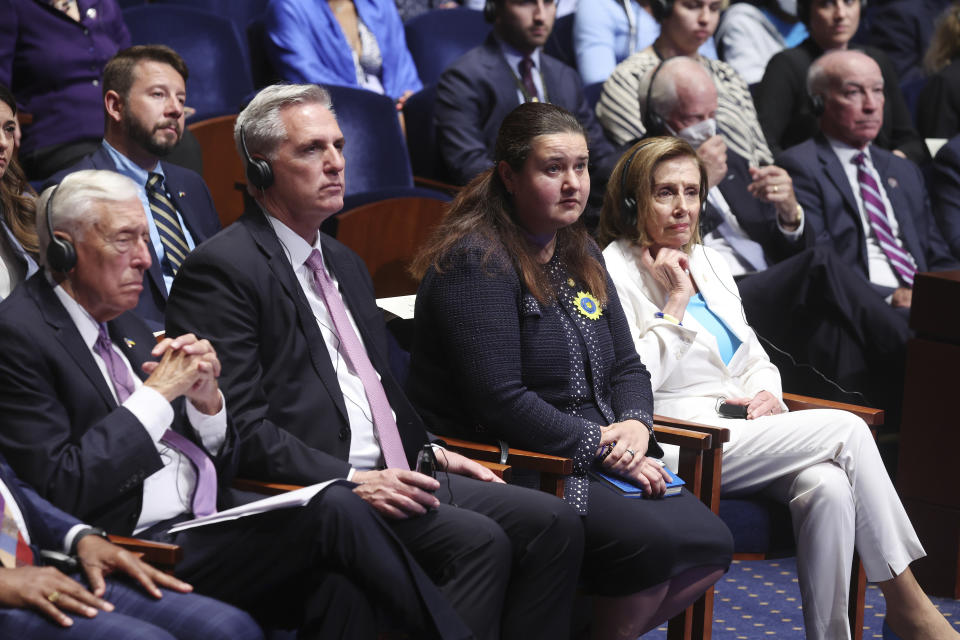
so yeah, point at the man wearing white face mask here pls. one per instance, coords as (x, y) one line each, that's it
(797, 295)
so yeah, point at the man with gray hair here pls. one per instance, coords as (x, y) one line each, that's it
(306, 371)
(798, 295)
(869, 205)
(133, 436)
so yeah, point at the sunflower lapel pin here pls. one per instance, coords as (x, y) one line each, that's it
(588, 305)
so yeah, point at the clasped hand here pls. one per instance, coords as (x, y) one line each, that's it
(187, 367)
(629, 440)
(52, 593)
(401, 493)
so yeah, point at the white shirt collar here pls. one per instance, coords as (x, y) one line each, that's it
(514, 57)
(294, 246)
(846, 153)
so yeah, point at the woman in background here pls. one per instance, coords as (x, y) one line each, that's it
(938, 108)
(18, 238)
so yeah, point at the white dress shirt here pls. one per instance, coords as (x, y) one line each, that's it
(879, 268)
(513, 58)
(22, 524)
(166, 493)
(364, 448)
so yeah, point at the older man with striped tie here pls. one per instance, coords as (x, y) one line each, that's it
(144, 93)
(868, 204)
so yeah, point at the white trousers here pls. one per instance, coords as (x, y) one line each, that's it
(825, 466)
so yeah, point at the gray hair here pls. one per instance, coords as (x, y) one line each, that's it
(260, 122)
(74, 208)
(663, 94)
(821, 74)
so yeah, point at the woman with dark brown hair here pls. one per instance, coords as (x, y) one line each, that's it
(18, 238)
(520, 335)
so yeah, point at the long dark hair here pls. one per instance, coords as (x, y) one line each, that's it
(484, 207)
(17, 196)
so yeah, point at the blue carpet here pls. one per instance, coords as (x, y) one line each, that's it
(761, 599)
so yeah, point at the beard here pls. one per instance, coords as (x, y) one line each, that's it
(145, 137)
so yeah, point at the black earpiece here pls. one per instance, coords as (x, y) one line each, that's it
(816, 104)
(258, 170)
(628, 203)
(490, 11)
(661, 9)
(653, 120)
(61, 254)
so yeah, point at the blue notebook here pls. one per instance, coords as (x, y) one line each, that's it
(630, 490)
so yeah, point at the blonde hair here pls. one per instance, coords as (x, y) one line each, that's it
(945, 43)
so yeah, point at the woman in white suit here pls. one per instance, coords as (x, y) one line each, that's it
(689, 327)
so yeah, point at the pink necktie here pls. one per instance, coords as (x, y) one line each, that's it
(386, 426)
(119, 373)
(899, 259)
(205, 494)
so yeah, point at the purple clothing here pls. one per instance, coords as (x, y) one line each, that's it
(53, 65)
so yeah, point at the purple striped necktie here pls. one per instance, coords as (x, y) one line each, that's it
(204, 500)
(386, 426)
(119, 373)
(901, 261)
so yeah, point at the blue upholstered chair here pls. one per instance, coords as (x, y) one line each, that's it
(211, 47)
(437, 38)
(560, 44)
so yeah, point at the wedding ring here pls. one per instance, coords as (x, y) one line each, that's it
(631, 453)
(53, 597)
(776, 188)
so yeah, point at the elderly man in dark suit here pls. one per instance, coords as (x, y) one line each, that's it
(304, 346)
(477, 91)
(132, 436)
(144, 92)
(799, 296)
(31, 594)
(869, 205)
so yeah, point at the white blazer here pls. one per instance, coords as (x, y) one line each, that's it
(686, 371)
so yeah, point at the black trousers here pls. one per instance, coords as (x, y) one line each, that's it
(333, 568)
(506, 557)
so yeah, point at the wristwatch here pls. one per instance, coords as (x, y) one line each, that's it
(83, 533)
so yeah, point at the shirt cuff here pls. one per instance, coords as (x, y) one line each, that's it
(211, 429)
(350, 474)
(151, 409)
(68, 539)
(792, 234)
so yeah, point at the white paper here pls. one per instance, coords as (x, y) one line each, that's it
(298, 498)
(400, 306)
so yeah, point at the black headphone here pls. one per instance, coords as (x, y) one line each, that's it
(817, 105)
(258, 170)
(661, 9)
(628, 203)
(490, 10)
(61, 254)
(654, 121)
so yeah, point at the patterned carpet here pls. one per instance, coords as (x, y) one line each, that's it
(761, 599)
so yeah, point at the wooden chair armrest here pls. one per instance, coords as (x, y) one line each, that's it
(436, 185)
(266, 488)
(160, 554)
(519, 458)
(683, 438)
(502, 471)
(873, 417)
(719, 435)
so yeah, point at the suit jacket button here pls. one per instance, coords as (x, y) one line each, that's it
(343, 434)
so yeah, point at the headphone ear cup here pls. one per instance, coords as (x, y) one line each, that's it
(61, 255)
(661, 9)
(490, 11)
(628, 211)
(259, 173)
(816, 105)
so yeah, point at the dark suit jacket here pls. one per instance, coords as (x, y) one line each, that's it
(938, 107)
(277, 376)
(786, 114)
(757, 218)
(46, 525)
(945, 190)
(62, 429)
(191, 197)
(477, 92)
(830, 208)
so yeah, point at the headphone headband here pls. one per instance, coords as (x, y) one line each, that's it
(628, 203)
(653, 120)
